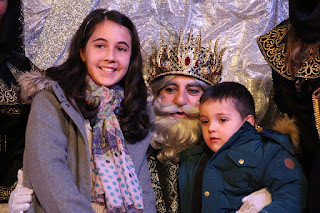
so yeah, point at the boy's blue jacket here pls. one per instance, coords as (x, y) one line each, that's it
(247, 162)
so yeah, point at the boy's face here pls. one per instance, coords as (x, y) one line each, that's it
(219, 121)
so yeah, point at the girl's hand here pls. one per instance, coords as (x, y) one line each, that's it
(20, 197)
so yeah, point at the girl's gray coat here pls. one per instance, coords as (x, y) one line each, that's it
(57, 153)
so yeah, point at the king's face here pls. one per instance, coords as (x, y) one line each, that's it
(182, 91)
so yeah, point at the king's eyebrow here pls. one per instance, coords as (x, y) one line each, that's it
(193, 85)
(170, 83)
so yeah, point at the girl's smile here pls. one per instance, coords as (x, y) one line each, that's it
(108, 69)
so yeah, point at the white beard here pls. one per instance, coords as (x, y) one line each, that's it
(172, 135)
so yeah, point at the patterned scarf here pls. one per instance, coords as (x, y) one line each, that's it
(115, 183)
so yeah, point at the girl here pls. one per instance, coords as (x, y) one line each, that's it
(99, 88)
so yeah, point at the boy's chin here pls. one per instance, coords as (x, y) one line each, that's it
(213, 146)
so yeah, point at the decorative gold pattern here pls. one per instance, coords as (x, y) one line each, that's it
(5, 192)
(316, 110)
(272, 46)
(8, 96)
(15, 71)
(9, 103)
(10, 110)
(189, 59)
(164, 179)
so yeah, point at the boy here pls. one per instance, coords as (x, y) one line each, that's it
(237, 160)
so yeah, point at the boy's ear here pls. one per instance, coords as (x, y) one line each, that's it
(250, 119)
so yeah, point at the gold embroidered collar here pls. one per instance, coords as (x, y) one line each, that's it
(273, 47)
(8, 95)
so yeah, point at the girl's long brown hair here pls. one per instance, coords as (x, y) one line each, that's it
(133, 118)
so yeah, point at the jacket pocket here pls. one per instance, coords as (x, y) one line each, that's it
(243, 159)
(238, 169)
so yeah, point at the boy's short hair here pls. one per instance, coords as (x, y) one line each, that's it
(237, 93)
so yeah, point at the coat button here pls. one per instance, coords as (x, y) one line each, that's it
(241, 161)
(206, 193)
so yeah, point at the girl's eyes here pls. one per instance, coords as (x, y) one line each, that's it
(99, 45)
(122, 49)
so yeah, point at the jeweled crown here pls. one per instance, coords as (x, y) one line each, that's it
(189, 59)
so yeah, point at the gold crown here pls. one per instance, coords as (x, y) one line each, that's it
(189, 59)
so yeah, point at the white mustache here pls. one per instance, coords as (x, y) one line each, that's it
(164, 109)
